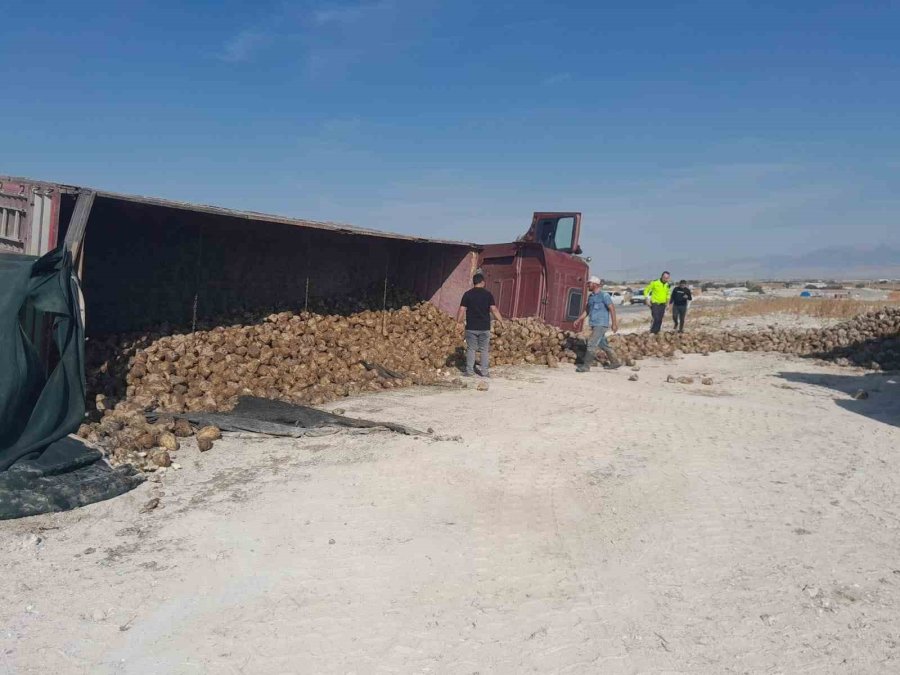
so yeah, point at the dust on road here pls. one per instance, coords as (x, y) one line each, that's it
(581, 524)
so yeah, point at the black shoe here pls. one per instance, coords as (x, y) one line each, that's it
(582, 369)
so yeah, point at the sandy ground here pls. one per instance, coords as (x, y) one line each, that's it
(580, 524)
(761, 322)
(637, 320)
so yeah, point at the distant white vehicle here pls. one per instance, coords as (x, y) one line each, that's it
(729, 292)
(638, 298)
(617, 297)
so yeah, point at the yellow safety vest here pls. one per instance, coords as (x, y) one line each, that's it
(658, 292)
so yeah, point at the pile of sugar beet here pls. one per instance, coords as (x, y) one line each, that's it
(312, 358)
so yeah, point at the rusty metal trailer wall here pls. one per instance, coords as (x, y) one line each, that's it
(29, 213)
(145, 260)
(146, 263)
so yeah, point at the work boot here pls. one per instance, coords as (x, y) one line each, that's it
(582, 369)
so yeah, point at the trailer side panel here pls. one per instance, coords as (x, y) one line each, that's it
(147, 264)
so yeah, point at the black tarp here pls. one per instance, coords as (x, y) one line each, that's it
(66, 475)
(40, 468)
(278, 418)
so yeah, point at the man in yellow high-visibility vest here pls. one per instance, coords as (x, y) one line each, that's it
(657, 294)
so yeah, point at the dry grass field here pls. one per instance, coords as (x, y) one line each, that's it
(762, 312)
(820, 308)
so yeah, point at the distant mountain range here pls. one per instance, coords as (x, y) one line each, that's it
(838, 262)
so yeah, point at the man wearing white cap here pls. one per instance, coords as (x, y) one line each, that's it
(602, 312)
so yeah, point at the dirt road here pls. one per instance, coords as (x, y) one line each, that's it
(580, 524)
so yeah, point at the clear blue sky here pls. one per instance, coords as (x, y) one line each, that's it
(681, 130)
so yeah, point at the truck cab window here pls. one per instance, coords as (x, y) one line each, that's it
(565, 234)
(574, 304)
(547, 236)
(557, 234)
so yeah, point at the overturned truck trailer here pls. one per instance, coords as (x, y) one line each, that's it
(143, 261)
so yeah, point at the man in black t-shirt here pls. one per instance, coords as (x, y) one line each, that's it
(681, 296)
(477, 306)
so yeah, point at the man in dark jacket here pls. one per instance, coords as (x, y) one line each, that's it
(476, 307)
(681, 296)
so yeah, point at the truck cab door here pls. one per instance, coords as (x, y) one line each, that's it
(556, 231)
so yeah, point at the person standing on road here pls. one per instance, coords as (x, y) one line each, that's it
(476, 307)
(657, 294)
(681, 296)
(602, 312)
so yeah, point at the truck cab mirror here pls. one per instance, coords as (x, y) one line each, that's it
(578, 250)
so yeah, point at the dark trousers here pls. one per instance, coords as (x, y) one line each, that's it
(657, 311)
(678, 314)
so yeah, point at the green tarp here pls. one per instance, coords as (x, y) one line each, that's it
(37, 409)
(40, 468)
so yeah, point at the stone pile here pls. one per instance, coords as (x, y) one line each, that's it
(870, 340)
(301, 358)
(310, 358)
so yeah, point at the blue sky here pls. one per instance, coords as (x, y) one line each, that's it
(684, 131)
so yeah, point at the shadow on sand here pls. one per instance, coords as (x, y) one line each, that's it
(882, 404)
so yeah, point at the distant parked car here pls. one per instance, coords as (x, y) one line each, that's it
(638, 298)
(617, 297)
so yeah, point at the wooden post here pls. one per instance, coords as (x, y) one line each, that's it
(77, 226)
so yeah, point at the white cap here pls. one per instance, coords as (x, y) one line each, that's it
(595, 280)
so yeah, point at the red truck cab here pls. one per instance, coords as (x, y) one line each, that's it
(541, 274)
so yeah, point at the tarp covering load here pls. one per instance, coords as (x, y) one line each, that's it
(41, 469)
(278, 418)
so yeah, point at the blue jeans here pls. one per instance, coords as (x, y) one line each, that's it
(596, 341)
(477, 340)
